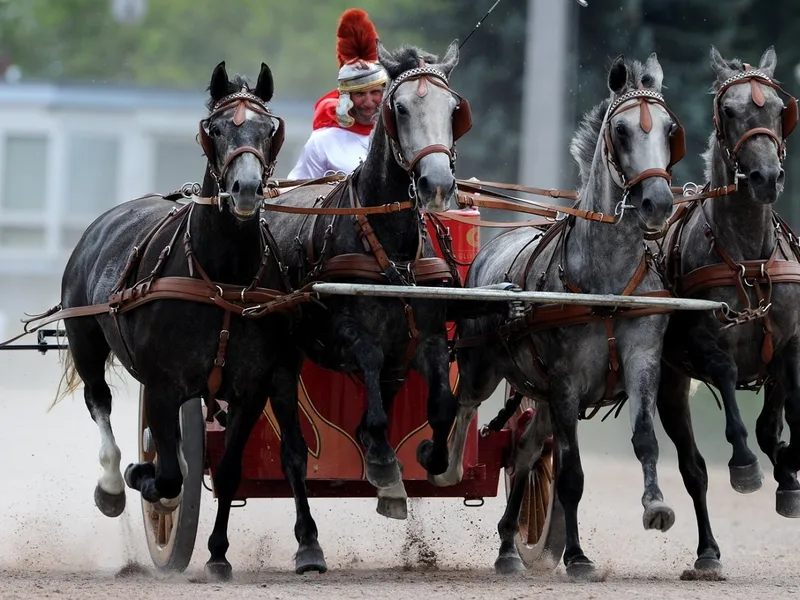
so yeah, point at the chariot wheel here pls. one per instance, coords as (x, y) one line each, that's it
(171, 537)
(541, 536)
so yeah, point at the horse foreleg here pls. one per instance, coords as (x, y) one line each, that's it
(478, 378)
(393, 501)
(745, 472)
(432, 361)
(294, 460)
(673, 410)
(787, 456)
(642, 371)
(383, 470)
(243, 413)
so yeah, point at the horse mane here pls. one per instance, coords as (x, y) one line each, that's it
(234, 85)
(407, 57)
(584, 142)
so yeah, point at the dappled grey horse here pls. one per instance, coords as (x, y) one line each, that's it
(734, 248)
(410, 164)
(625, 148)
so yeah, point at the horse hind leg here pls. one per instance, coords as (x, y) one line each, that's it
(88, 352)
(673, 410)
(160, 484)
(785, 457)
(243, 413)
(527, 451)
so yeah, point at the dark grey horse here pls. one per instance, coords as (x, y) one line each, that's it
(567, 368)
(747, 145)
(411, 156)
(170, 346)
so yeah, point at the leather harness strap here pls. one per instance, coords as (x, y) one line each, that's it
(760, 275)
(548, 316)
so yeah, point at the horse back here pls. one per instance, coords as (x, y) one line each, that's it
(99, 257)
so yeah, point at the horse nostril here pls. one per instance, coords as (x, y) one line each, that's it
(757, 178)
(781, 177)
(260, 189)
(648, 206)
(236, 187)
(423, 184)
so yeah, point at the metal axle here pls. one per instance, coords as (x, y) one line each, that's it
(392, 291)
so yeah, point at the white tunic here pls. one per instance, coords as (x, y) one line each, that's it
(330, 149)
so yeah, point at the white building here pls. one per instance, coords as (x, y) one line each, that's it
(70, 152)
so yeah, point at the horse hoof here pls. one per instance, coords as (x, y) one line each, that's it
(508, 564)
(708, 564)
(111, 505)
(424, 458)
(787, 503)
(219, 570)
(383, 476)
(581, 568)
(310, 558)
(747, 479)
(393, 508)
(658, 516)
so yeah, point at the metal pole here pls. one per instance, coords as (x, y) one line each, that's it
(393, 291)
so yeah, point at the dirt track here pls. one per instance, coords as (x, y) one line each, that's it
(56, 544)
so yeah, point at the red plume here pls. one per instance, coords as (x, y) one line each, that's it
(356, 38)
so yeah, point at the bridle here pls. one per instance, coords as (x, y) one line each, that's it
(461, 122)
(789, 115)
(240, 102)
(677, 139)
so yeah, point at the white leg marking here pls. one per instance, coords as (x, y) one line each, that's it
(111, 480)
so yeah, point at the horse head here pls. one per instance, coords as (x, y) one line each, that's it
(423, 118)
(752, 123)
(643, 140)
(241, 139)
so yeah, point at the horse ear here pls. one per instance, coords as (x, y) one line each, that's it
(219, 82)
(387, 60)
(769, 60)
(618, 75)
(450, 59)
(265, 87)
(653, 77)
(718, 64)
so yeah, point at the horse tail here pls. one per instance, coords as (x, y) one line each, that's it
(69, 382)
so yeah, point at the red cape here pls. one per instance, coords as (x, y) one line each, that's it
(325, 115)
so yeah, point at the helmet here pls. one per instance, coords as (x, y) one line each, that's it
(359, 69)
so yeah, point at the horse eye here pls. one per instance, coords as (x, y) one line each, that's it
(214, 131)
(673, 128)
(401, 109)
(729, 112)
(621, 130)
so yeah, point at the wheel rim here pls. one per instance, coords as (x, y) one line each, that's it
(536, 511)
(534, 516)
(161, 529)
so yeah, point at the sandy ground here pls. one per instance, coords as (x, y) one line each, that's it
(56, 544)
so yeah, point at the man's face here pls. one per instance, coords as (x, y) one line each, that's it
(365, 105)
